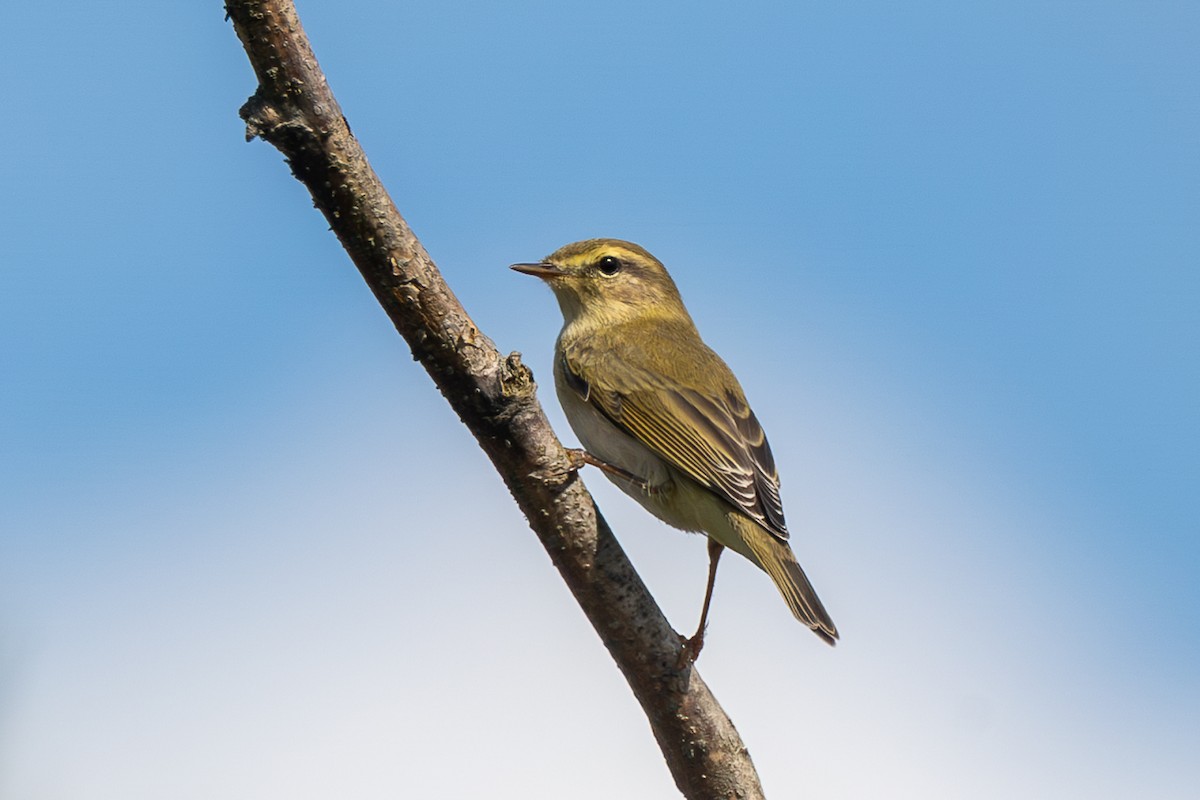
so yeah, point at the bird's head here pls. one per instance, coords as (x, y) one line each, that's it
(608, 281)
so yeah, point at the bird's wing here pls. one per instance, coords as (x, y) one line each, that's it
(713, 439)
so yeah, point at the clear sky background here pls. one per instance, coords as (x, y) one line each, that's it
(951, 249)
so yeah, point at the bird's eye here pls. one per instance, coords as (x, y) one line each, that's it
(609, 265)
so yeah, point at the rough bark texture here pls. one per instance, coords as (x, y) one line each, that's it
(294, 110)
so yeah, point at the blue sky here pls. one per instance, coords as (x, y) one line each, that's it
(950, 249)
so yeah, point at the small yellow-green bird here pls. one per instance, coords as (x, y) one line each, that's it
(665, 418)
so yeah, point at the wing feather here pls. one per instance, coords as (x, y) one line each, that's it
(713, 439)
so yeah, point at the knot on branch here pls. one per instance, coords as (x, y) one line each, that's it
(266, 120)
(260, 116)
(516, 379)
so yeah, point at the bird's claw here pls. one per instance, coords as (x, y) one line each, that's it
(690, 651)
(577, 459)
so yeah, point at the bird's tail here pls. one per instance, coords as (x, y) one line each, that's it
(777, 560)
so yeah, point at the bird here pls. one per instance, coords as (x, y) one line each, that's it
(664, 418)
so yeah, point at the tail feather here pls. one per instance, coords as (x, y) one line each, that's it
(778, 561)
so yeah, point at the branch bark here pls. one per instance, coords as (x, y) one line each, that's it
(494, 395)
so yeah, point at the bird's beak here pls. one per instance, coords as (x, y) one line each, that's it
(543, 269)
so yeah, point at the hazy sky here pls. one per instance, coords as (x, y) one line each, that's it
(951, 250)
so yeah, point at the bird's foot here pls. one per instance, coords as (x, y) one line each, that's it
(690, 651)
(578, 458)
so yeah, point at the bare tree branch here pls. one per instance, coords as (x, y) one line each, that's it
(294, 110)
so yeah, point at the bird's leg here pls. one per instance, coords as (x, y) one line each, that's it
(578, 458)
(691, 647)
